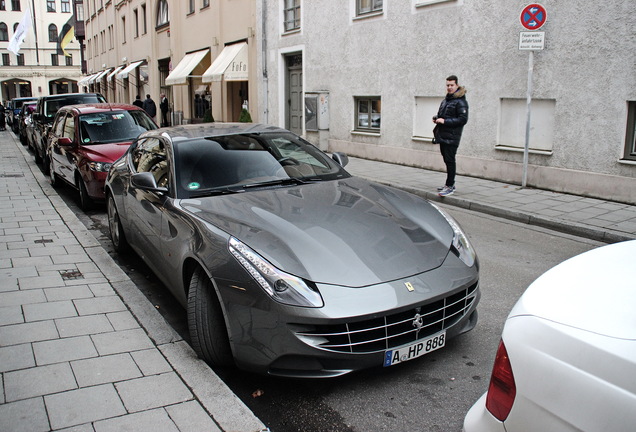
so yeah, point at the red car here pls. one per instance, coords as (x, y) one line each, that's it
(85, 140)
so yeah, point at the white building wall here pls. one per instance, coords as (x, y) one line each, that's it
(582, 83)
(38, 69)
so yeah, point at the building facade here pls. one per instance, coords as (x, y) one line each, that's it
(366, 76)
(201, 54)
(38, 69)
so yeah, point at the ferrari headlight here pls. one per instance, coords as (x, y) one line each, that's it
(281, 286)
(100, 166)
(461, 245)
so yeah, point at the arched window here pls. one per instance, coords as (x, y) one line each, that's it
(4, 32)
(52, 33)
(163, 17)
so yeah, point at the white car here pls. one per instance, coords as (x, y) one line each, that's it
(567, 358)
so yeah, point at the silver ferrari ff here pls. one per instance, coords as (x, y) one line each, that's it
(287, 265)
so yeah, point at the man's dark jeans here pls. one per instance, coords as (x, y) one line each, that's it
(448, 153)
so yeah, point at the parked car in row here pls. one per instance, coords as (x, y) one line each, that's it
(286, 263)
(86, 139)
(44, 113)
(567, 357)
(24, 119)
(13, 111)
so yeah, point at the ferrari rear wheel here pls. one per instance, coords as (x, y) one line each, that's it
(208, 332)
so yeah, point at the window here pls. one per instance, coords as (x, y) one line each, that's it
(162, 13)
(291, 15)
(144, 21)
(52, 33)
(206, 3)
(50, 5)
(65, 6)
(364, 7)
(111, 38)
(512, 125)
(3, 5)
(368, 113)
(630, 136)
(136, 22)
(55, 60)
(20, 59)
(69, 60)
(425, 109)
(191, 7)
(4, 32)
(15, 5)
(123, 29)
(6, 60)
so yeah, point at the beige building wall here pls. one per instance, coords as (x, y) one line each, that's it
(192, 27)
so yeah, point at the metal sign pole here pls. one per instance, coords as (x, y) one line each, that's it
(526, 148)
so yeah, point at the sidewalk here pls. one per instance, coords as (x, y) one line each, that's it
(592, 218)
(80, 346)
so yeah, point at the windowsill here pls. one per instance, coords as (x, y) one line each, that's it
(627, 162)
(431, 2)
(292, 32)
(422, 139)
(368, 15)
(520, 150)
(365, 133)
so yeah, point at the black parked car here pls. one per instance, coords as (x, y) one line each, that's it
(45, 111)
(14, 111)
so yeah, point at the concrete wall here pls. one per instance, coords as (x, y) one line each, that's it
(585, 75)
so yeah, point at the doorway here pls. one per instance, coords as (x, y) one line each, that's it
(294, 93)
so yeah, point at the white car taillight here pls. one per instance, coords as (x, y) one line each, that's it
(502, 389)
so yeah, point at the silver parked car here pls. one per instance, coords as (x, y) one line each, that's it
(287, 264)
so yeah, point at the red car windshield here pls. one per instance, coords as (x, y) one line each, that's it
(113, 126)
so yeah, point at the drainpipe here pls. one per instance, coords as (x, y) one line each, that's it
(264, 62)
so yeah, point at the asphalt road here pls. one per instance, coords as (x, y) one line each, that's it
(431, 393)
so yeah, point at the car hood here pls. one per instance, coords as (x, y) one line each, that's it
(105, 152)
(347, 232)
(594, 292)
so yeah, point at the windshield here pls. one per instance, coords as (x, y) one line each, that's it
(113, 126)
(233, 163)
(52, 105)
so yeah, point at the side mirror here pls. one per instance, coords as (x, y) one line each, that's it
(341, 158)
(64, 142)
(146, 181)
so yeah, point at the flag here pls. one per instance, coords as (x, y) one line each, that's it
(66, 36)
(20, 32)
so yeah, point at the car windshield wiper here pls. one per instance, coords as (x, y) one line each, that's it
(238, 188)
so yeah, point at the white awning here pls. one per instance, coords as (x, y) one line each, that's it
(124, 73)
(179, 74)
(85, 81)
(111, 75)
(230, 65)
(99, 75)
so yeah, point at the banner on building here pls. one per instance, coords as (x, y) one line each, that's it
(66, 36)
(20, 32)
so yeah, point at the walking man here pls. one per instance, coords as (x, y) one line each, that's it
(138, 102)
(150, 107)
(164, 107)
(449, 124)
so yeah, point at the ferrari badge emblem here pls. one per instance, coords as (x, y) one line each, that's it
(409, 286)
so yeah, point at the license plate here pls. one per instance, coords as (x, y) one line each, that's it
(414, 350)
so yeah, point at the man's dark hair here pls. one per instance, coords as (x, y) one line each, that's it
(148, 96)
(453, 78)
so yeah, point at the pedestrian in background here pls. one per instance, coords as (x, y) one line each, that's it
(449, 124)
(138, 102)
(164, 107)
(150, 107)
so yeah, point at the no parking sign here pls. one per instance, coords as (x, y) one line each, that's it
(533, 16)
